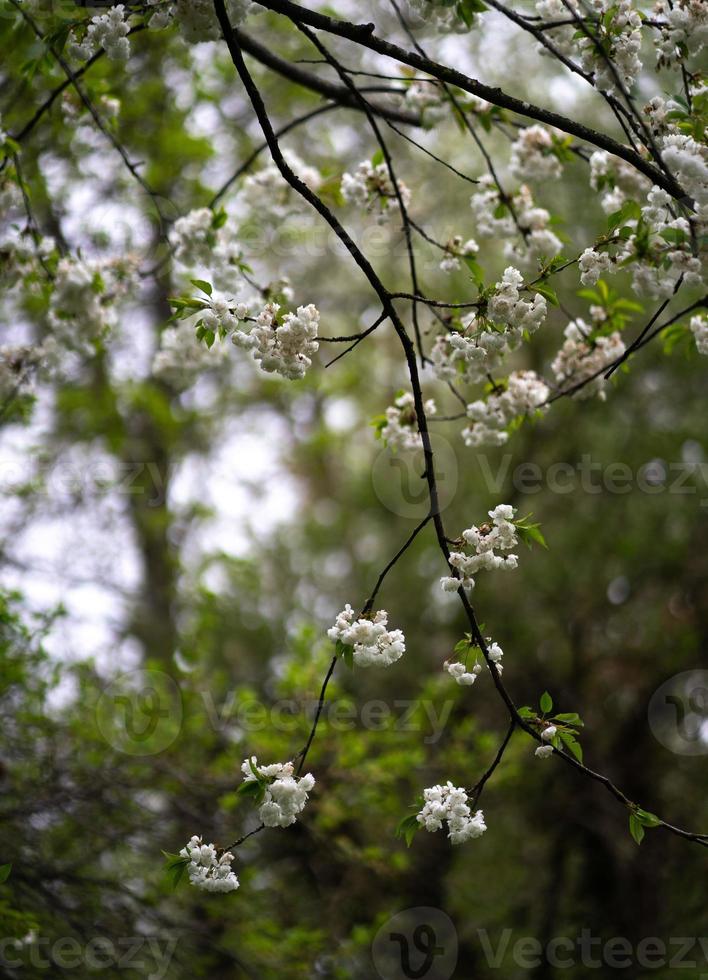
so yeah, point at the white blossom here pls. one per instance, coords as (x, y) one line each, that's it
(206, 869)
(592, 264)
(285, 794)
(449, 804)
(544, 751)
(506, 307)
(371, 186)
(108, 31)
(532, 156)
(284, 344)
(455, 249)
(699, 328)
(374, 644)
(580, 358)
(400, 428)
(459, 672)
(549, 733)
(522, 394)
(484, 542)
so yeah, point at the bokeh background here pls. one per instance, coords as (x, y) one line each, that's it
(187, 549)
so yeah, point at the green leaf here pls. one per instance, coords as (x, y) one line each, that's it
(346, 652)
(630, 211)
(547, 292)
(378, 158)
(570, 718)
(572, 744)
(635, 828)
(546, 702)
(647, 819)
(5, 870)
(526, 712)
(206, 287)
(407, 828)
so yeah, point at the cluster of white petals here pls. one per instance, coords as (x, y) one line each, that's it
(427, 97)
(616, 181)
(84, 294)
(108, 31)
(688, 161)
(684, 28)
(284, 345)
(400, 430)
(449, 804)
(612, 52)
(538, 241)
(581, 358)
(484, 542)
(699, 329)
(506, 307)
(208, 871)
(464, 677)
(374, 644)
(442, 13)
(268, 193)
(544, 751)
(371, 187)
(285, 793)
(592, 264)
(196, 19)
(522, 394)
(532, 156)
(455, 250)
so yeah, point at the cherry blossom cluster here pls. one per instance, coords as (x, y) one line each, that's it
(699, 328)
(282, 344)
(476, 345)
(108, 31)
(196, 19)
(83, 301)
(616, 181)
(584, 355)
(684, 30)
(399, 426)
(522, 394)
(450, 804)
(506, 307)
(371, 187)
(426, 97)
(537, 240)
(533, 155)
(206, 869)
(484, 542)
(284, 794)
(455, 250)
(268, 194)
(458, 670)
(205, 238)
(592, 265)
(374, 645)
(494, 218)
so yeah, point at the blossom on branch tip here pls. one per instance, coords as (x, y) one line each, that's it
(372, 643)
(449, 804)
(206, 869)
(282, 795)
